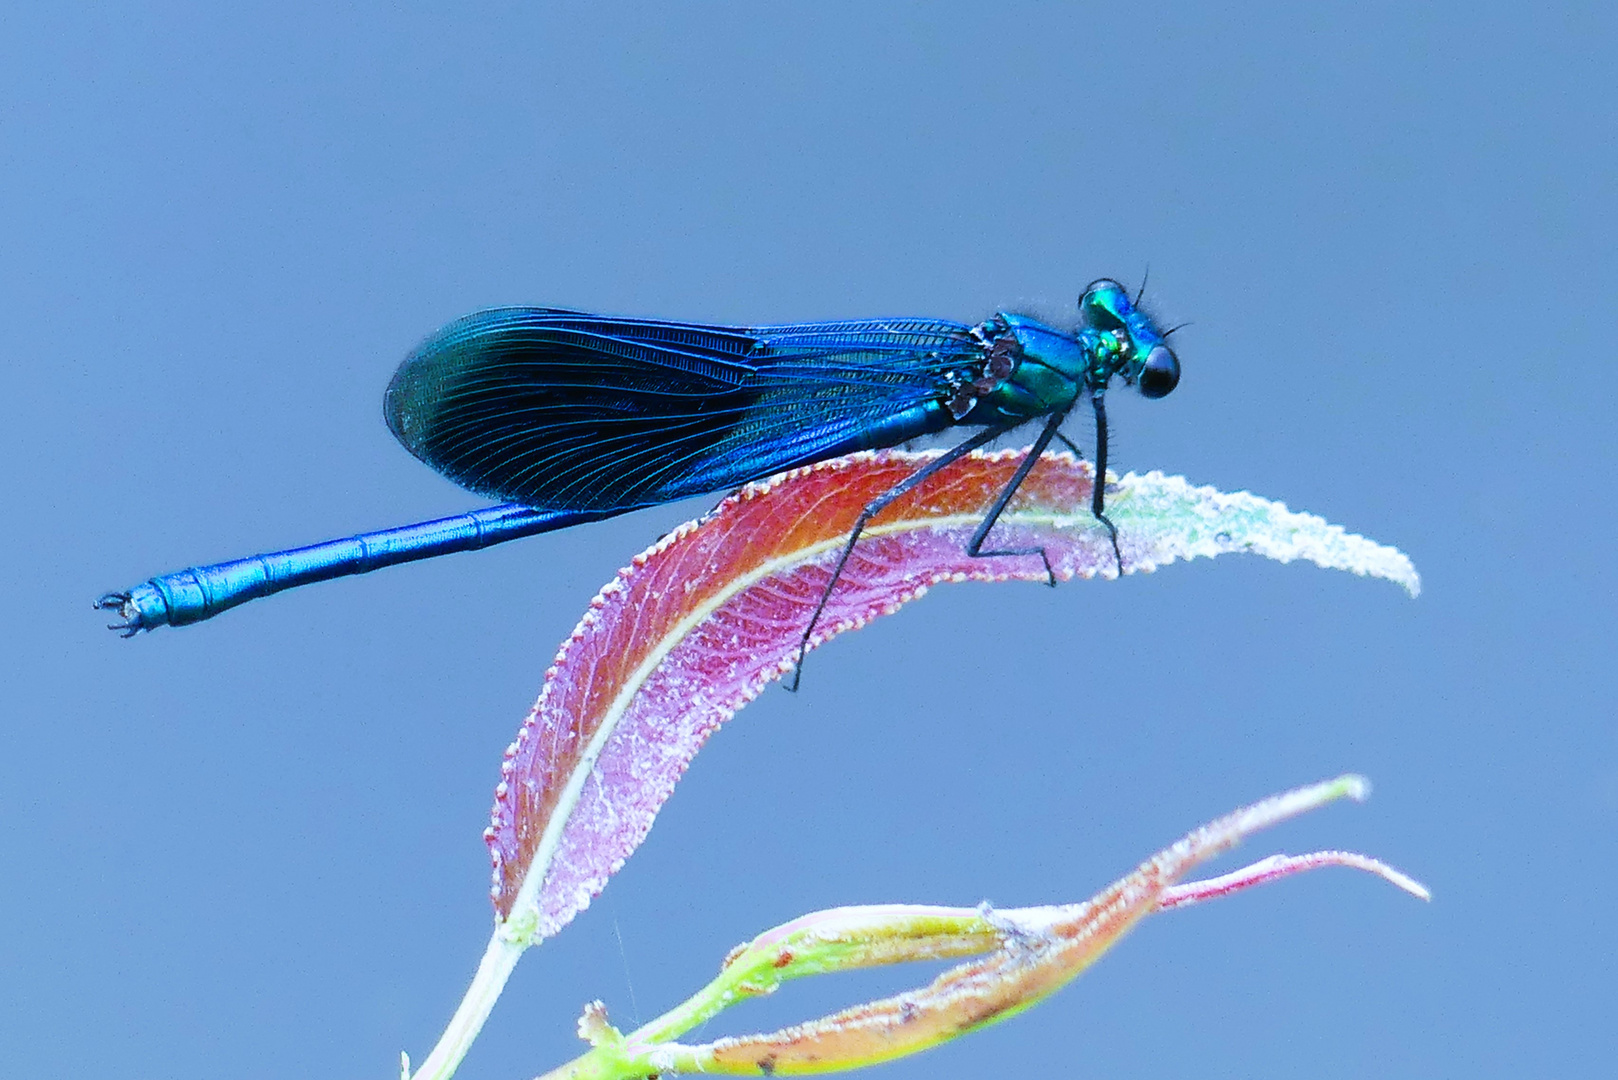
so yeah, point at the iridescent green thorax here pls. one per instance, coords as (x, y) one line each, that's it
(1049, 374)
(1054, 368)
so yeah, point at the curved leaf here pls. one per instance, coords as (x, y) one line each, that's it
(701, 622)
(1025, 954)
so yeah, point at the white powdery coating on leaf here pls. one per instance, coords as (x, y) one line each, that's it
(724, 663)
(1225, 833)
(648, 750)
(1192, 522)
(1279, 866)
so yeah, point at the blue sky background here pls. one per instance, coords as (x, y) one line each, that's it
(251, 848)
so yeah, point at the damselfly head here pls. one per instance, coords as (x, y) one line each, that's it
(1160, 373)
(1143, 359)
(1105, 305)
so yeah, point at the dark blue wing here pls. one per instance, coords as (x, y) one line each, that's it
(568, 410)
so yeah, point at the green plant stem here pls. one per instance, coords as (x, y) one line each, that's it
(493, 970)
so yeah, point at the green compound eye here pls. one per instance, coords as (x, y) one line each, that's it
(1161, 373)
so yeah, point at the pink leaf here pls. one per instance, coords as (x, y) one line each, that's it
(700, 623)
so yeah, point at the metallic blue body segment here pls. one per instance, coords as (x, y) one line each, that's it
(202, 592)
(567, 417)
